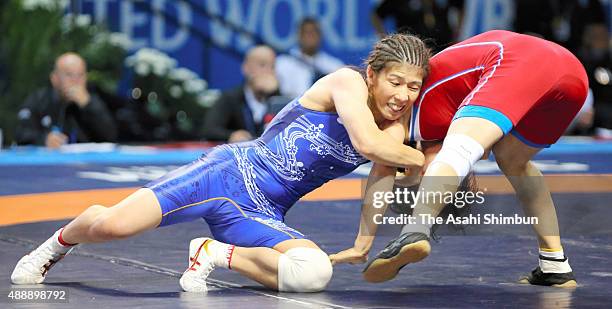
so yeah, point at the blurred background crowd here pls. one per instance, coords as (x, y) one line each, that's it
(156, 71)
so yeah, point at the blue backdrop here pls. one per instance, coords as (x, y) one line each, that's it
(193, 32)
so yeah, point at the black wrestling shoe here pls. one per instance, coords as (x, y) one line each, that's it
(559, 280)
(407, 248)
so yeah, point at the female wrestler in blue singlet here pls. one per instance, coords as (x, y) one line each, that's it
(244, 190)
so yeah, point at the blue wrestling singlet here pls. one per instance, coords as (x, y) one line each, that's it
(244, 190)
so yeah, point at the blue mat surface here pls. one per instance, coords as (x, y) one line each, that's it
(478, 269)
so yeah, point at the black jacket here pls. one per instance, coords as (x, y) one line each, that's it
(230, 113)
(43, 111)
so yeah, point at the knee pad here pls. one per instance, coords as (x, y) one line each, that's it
(303, 270)
(461, 152)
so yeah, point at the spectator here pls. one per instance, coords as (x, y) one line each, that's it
(66, 112)
(302, 66)
(580, 14)
(241, 113)
(537, 18)
(438, 20)
(583, 122)
(595, 56)
(561, 21)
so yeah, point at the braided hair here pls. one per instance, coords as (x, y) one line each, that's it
(401, 48)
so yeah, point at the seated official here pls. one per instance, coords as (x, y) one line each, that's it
(67, 112)
(240, 114)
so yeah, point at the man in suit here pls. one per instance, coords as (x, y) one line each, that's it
(241, 113)
(65, 112)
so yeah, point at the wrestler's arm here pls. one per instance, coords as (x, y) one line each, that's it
(350, 97)
(380, 180)
(413, 176)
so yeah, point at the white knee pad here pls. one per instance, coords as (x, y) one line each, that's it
(461, 152)
(303, 270)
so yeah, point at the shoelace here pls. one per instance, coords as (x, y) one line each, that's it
(44, 258)
(209, 268)
(205, 272)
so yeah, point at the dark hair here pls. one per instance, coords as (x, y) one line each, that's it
(400, 48)
(309, 20)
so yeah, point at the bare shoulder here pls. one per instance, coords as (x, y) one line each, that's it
(322, 95)
(346, 76)
(347, 82)
(342, 79)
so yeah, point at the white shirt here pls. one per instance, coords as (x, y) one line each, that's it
(258, 108)
(296, 70)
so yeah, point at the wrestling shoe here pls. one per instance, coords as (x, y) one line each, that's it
(33, 268)
(560, 276)
(200, 266)
(407, 248)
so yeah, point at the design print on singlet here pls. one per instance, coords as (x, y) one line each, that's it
(277, 225)
(248, 174)
(284, 161)
(299, 151)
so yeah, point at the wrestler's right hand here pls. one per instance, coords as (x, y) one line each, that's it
(351, 255)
